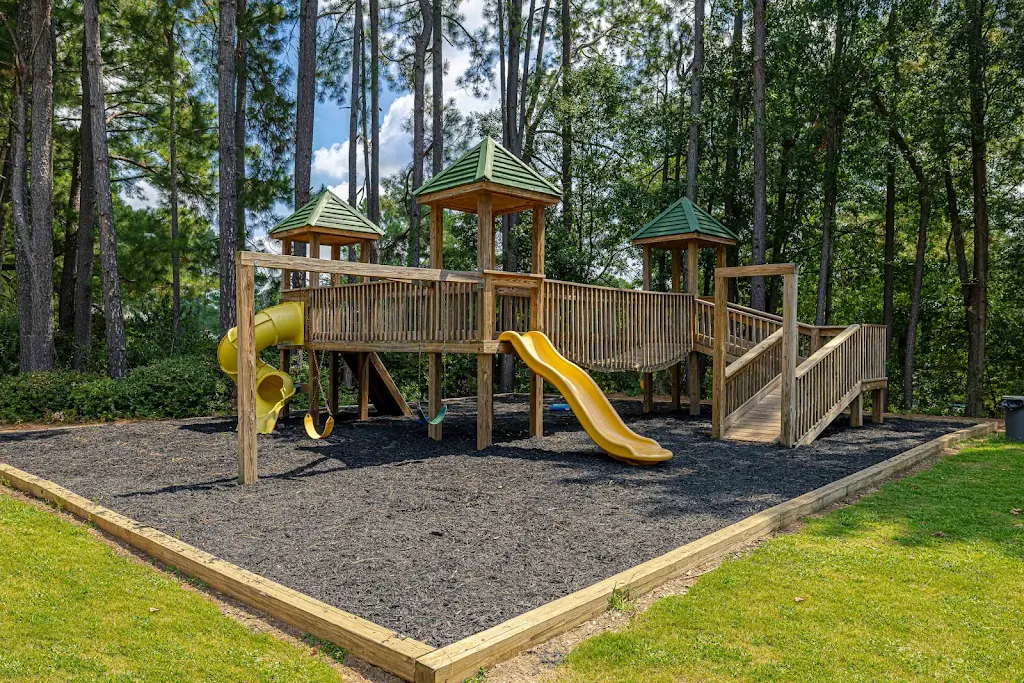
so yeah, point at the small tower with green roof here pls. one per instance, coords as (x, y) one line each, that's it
(327, 220)
(489, 181)
(682, 226)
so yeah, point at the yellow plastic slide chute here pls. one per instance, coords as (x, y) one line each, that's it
(281, 324)
(587, 401)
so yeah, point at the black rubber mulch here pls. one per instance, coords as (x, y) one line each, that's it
(435, 540)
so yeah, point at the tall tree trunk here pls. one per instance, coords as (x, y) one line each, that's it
(924, 202)
(696, 73)
(524, 81)
(733, 125)
(363, 122)
(173, 171)
(515, 34)
(780, 224)
(566, 26)
(353, 119)
(66, 311)
(421, 42)
(84, 257)
(228, 184)
(978, 313)
(241, 104)
(760, 229)
(39, 352)
(305, 104)
(373, 205)
(889, 273)
(529, 130)
(23, 243)
(833, 156)
(437, 122)
(116, 361)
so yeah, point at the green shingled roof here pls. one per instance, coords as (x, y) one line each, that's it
(327, 210)
(489, 161)
(684, 218)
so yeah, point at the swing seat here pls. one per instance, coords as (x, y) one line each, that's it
(311, 428)
(438, 419)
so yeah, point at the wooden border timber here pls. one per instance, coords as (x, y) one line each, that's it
(768, 269)
(419, 662)
(375, 644)
(462, 659)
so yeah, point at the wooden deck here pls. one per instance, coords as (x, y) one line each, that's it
(763, 422)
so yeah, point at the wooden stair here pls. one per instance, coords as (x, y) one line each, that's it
(762, 422)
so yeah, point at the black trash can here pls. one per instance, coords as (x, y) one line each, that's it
(1014, 407)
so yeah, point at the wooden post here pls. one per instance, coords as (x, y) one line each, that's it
(878, 406)
(333, 380)
(335, 256)
(363, 383)
(286, 275)
(790, 349)
(313, 390)
(857, 411)
(720, 257)
(648, 378)
(286, 364)
(719, 358)
(245, 300)
(485, 230)
(676, 371)
(537, 320)
(484, 361)
(693, 374)
(435, 369)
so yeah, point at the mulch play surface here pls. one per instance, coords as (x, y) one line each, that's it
(435, 540)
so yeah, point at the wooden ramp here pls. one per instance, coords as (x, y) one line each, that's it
(384, 393)
(762, 422)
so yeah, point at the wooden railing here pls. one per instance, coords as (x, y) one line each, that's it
(747, 327)
(602, 328)
(394, 312)
(750, 377)
(828, 380)
(875, 353)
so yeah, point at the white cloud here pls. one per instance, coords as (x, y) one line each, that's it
(332, 161)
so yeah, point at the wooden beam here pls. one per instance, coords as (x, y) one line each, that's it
(462, 659)
(857, 410)
(677, 270)
(878, 406)
(648, 377)
(286, 275)
(485, 232)
(766, 269)
(333, 381)
(245, 302)
(720, 258)
(692, 269)
(790, 350)
(719, 360)
(435, 361)
(363, 384)
(693, 379)
(335, 256)
(537, 237)
(361, 638)
(484, 400)
(483, 187)
(303, 263)
(286, 365)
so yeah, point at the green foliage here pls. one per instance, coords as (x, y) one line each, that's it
(181, 386)
(919, 581)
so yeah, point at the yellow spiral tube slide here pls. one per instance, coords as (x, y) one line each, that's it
(281, 324)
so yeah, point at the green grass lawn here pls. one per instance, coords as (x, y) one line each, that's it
(923, 580)
(72, 609)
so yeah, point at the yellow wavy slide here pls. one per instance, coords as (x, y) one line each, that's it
(587, 401)
(281, 324)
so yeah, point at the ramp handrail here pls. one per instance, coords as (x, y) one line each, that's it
(826, 382)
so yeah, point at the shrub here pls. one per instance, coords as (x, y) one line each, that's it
(183, 386)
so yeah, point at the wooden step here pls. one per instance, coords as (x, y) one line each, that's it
(762, 423)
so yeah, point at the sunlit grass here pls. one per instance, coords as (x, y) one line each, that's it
(923, 580)
(71, 609)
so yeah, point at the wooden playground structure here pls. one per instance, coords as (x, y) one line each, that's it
(775, 379)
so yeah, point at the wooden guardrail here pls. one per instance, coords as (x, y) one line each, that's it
(603, 328)
(827, 382)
